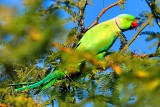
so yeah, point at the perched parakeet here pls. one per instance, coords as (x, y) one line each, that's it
(96, 41)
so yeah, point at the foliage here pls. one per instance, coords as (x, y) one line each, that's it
(29, 51)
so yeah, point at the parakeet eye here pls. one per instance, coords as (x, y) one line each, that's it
(127, 18)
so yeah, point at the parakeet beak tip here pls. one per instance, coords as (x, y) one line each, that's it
(134, 24)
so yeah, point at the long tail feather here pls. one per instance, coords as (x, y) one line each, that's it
(30, 86)
(52, 80)
(28, 83)
(46, 82)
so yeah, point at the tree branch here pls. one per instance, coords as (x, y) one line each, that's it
(103, 11)
(81, 19)
(145, 55)
(153, 7)
(137, 33)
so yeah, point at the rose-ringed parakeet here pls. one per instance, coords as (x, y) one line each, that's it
(96, 41)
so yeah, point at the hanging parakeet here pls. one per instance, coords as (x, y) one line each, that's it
(96, 41)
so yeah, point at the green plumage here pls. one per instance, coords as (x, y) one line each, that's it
(96, 41)
(100, 38)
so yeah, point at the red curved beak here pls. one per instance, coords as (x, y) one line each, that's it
(134, 24)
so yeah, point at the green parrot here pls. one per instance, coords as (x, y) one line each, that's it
(96, 41)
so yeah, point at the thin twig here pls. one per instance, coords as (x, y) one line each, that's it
(145, 55)
(137, 33)
(152, 5)
(103, 11)
(81, 19)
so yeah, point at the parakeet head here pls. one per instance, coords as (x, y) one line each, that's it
(126, 21)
